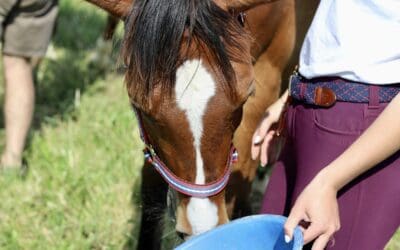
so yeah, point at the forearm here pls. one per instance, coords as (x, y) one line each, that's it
(377, 143)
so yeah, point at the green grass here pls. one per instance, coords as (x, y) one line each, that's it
(83, 171)
(84, 152)
(394, 244)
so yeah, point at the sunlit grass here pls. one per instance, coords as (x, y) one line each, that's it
(84, 153)
(83, 171)
(394, 244)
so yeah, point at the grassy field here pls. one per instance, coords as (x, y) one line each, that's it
(84, 151)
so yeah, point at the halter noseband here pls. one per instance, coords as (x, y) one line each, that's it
(179, 184)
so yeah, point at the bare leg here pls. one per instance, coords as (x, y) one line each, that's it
(18, 107)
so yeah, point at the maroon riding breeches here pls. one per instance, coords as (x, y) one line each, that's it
(369, 205)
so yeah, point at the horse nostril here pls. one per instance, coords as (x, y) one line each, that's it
(181, 235)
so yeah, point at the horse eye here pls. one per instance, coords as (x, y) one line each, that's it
(242, 18)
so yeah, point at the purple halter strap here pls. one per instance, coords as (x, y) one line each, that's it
(176, 183)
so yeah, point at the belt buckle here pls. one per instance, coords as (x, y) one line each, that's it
(324, 97)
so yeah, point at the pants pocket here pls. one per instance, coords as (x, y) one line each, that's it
(341, 119)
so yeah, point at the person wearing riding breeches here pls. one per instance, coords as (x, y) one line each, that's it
(339, 171)
(26, 27)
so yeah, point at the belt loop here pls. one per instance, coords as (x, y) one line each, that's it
(373, 96)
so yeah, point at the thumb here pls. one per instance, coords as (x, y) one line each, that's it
(259, 135)
(263, 128)
(291, 223)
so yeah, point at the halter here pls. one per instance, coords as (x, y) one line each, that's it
(179, 184)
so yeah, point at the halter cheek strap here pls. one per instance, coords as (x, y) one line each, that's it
(179, 184)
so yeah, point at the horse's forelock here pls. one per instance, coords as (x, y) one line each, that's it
(153, 39)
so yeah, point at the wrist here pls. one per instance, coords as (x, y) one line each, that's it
(328, 180)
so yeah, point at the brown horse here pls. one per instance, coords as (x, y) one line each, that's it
(278, 29)
(191, 66)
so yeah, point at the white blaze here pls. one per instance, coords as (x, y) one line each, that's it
(194, 88)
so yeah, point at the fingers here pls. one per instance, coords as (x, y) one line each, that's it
(264, 148)
(318, 230)
(312, 232)
(320, 234)
(259, 136)
(291, 223)
(321, 242)
(262, 130)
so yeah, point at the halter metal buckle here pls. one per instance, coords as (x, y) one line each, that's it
(149, 153)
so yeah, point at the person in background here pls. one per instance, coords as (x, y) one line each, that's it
(26, 27)
(338, 174)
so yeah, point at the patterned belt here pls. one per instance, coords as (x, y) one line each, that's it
(326, 91)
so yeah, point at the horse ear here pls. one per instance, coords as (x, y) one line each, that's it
(117, 8)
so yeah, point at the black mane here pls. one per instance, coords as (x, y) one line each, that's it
(153, 39)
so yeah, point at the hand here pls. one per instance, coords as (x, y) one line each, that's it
(263, 135)
(318, 205)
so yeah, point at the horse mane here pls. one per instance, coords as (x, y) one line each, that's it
(153, 38)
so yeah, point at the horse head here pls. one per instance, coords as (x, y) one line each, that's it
(189, 72)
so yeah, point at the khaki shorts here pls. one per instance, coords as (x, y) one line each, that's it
(27, 26)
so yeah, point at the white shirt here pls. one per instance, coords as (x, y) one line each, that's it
(357, 40)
